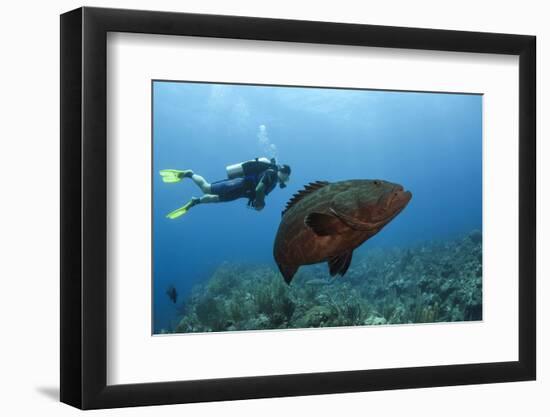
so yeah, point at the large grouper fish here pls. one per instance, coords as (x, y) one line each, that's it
(327, 221)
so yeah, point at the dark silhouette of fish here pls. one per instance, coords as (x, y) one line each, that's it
(172, 294)
(327, 221)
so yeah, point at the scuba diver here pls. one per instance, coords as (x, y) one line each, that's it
(252, 179)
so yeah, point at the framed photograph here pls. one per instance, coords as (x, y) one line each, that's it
(258, 207)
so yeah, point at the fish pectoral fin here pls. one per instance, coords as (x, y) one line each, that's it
(339, 264)
(325, 224)
(353, 223)
(288, 271)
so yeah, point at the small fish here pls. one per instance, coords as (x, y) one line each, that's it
(327, 221)
(318, 282)
(172, 294)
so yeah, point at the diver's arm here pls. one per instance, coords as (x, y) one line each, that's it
(259, 201)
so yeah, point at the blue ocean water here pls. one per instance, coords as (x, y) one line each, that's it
(431, 143)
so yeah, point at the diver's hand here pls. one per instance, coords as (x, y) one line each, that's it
(258, 205)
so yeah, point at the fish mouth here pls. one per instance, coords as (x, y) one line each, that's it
(398, 197)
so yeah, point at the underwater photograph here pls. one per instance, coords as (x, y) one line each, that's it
(284, 207)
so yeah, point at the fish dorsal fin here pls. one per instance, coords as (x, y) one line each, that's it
(309, 188)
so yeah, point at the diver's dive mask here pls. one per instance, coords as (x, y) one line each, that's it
(283, 177)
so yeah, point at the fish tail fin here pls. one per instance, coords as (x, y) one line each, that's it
(288, 272)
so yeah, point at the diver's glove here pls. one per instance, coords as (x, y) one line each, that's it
(258, 205)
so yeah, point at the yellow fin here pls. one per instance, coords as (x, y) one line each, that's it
(178, 212)
(171, 175)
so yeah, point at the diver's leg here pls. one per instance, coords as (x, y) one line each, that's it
(188, 173)
(200, 181)
(209, 198)
(205, 199)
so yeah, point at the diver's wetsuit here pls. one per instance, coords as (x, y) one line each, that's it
(244, 187)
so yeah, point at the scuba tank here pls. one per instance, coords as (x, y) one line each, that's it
(251, 167)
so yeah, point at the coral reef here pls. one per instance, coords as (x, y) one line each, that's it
(429, 282)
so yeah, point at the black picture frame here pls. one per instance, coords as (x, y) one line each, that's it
(84, 207)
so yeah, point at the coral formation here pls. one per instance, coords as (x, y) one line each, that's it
(429, 282)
